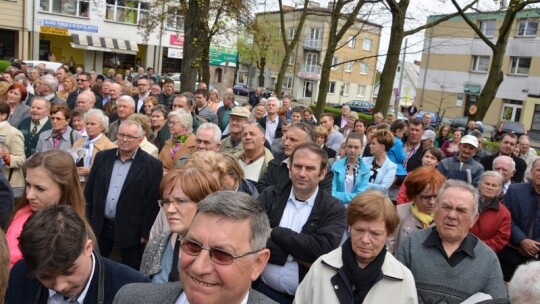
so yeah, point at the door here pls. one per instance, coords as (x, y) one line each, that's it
(511, 112)
(308, 88)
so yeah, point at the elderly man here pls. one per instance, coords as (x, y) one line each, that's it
(335, 139)
(306, 223)
(208, 137)
(121, 195)
(38, 122)
(506, 167)
(47, 89)
(202, 108)
(527, 153)
(413, 145)
(341, 121)
(271, 123)
(105, 91)
(86, 100)
(223, 252)
(523, 202)
(125, 107)
(255, 157)
(507, 144)
(232, 143)
(71, 271)
(450, 265)
(462, 166)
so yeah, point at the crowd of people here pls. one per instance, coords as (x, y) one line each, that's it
(116, 189)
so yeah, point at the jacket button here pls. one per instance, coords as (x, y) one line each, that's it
(336, 287)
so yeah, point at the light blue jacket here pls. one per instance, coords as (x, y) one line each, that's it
(338, 182)
(385, 176)
(397, 156)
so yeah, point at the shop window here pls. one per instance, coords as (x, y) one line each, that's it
(126, 11)
(117, 61)
(79, 8)
(218, 75)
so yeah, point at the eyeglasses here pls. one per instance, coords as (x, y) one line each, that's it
(127, 136)
(172, 123)
(56, 118)
(81, 80)
(427, 198)
(166, 203)
(217, 256)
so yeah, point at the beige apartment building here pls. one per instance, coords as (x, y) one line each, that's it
(14, 35)
(352, 77)
(455, 63)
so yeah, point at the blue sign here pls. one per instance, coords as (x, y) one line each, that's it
(69, 25)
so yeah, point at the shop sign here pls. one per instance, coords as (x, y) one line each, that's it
(221, 55)
(68, 25)
(310, 76)
(176, 40)
(53, 30)
(175, 53)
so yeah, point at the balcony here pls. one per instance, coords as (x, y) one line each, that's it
(312, 44)
(309, 71)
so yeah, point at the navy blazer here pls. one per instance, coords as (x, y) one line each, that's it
(23, 287)
(137, 205)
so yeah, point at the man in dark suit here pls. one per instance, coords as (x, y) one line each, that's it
(83, 84)
(271, 123)
(234, 241)
(70, 269)
(121, 195)
(143, 84)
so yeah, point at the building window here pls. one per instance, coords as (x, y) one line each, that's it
(126, 11)
(332, 87)
(278, 32)
(364, 68)
(349, 66)
(292, 32)
(527, 27)
(535, 125)
(175, 20)
(218, 75)
(291, 60)
(352, 42)
(287, 82)
(361, 90)
(520, 65)
(77, 8)
(480, 64)
(487, 27)
(345, 89)
(275, 56)
(335, 62)
(367, 45)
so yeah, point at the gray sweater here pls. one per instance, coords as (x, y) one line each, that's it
(437, 282)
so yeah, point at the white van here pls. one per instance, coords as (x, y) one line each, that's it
(48, 64)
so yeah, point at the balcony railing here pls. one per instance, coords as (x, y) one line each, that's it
(313, 44)
(310, 71)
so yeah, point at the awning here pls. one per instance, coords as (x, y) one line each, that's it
(104, 44)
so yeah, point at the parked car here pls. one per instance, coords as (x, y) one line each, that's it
(360, 106)
(506, 126)
(48, 64)
(243, 90)
(435, 119)
(459, 122)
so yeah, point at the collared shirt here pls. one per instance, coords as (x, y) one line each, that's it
(505, 187)
(42, 122)
(182, 299)
(285, 278)
(140, 101)
(409, 152)
(271, 127)
(343, 122)
(118, 177)
(56, 298)
(466, 248)
(89, 144)
(49, 97)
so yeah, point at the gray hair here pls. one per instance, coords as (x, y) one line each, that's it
(523, 288)
(505, 158)
(253, 124)
(184, 118)
(228, 95)
(492, 174)
(21, 78)
(239, 206)
(214, 128)
(454, 183)
(49, 81)
(190, 98)
(47, 103)
(103, 119)
(127, 99)
(278, 102)
(127, 122)
(310, 131)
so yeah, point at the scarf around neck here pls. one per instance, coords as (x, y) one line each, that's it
(57, 137)
(424, 218)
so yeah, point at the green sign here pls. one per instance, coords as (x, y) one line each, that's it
(221, 55)
(472, 89)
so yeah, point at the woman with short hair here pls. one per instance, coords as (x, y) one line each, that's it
(15, 97)
(182, 142)
(61, 136)
(382, 169)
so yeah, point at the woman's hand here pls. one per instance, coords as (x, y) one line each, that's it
(4, 153)
(83, 171)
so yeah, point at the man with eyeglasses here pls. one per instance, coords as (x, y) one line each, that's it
(83, 85)
(223, 252)
(121, 195)
(143, 84)
(462, 166)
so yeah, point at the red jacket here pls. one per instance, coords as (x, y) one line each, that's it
(493, 226)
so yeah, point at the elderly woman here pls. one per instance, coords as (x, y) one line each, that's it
(377, 119)
(96, 125)
(382, 169)
(15, 96)
(149, 103)
(493, 226)
(351, 174)
(430, 158)
(352, 117)
(451, 147)
(422, 186)
(361, 270)
(11, 150)
(182, 143)
(61, 136)
(77, 121)
(181, 190)
(145, 144)
(69, 86)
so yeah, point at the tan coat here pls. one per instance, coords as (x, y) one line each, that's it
(407, 223)
(102, 144)
(188, 147)
(15, 144)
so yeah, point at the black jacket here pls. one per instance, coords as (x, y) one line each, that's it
(321, 233)
(521, 166)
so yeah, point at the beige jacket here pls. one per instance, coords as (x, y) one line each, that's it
(15, 145)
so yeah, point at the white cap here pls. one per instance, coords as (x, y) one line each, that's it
(469, 139)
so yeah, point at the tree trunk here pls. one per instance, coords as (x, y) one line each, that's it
(205, 64)
(262, 66)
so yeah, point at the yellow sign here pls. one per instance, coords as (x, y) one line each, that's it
(54, 30)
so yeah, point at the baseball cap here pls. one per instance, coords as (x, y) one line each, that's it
(428, 134)
(469, 139)
(240, 111)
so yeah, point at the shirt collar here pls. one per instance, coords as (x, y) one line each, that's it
(434, 240)
(82, 295)
(93, 141)
(310, 201)
(132, 156)
(49, 97)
